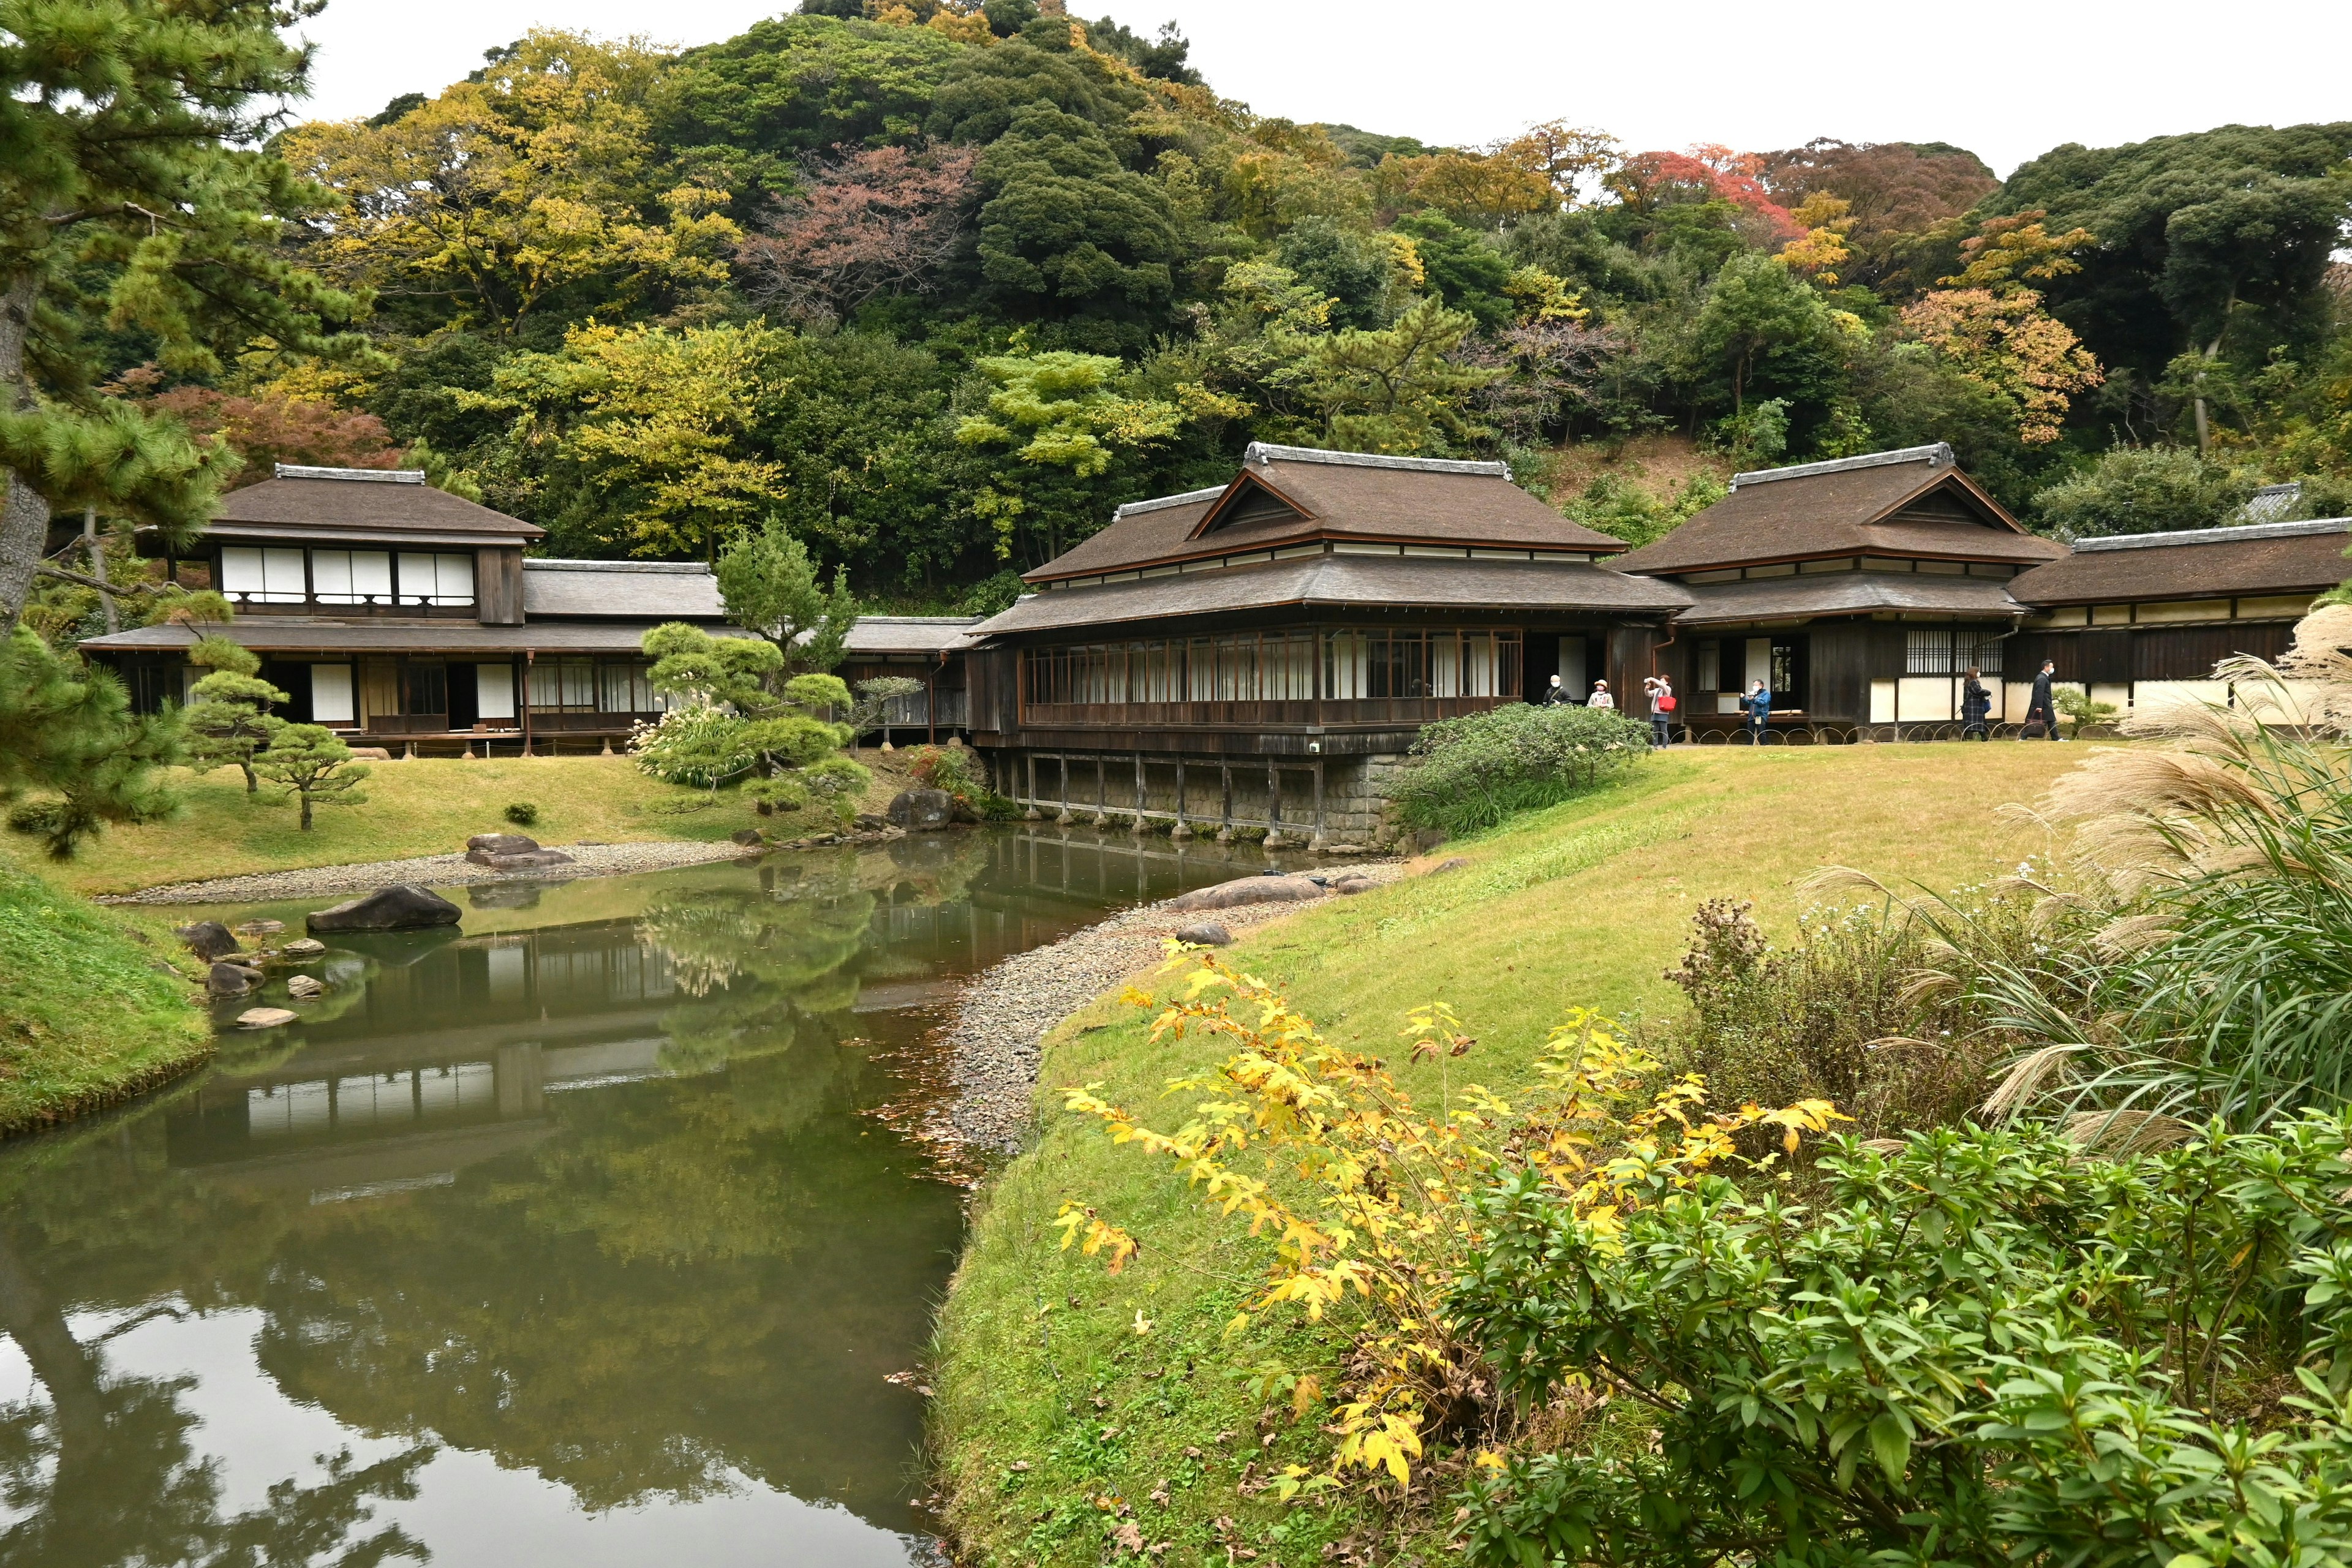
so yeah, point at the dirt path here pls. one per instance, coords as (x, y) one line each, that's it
(427, 870)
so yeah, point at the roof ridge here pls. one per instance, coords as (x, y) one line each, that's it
(375, 476)
(2217, 535)
(1935, 455)
(568, 563)
(1156, 502)
(1263, 452)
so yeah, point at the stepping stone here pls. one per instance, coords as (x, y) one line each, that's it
(264, 1017)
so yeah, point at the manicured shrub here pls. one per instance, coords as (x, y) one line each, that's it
(953, 770)
(523, 813)
(1472, 773)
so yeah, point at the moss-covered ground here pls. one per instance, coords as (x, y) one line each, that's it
(1071, 1403)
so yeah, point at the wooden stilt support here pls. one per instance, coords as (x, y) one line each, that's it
(1274, 838)
(1182, 831)
(1065, 819)
(1225, 817)
(1102, 791)
(1320, 842)
(1033, 814)
(1139, 824)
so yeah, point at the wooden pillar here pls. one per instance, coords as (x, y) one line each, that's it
(1319, 842)
(1139, 827)
(1225, 817)
(1102, 791)
(1033, 814)
(529, 657)
(1274, 838)
(1182, 831)
(1063, 761)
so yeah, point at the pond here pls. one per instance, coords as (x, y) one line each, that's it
(596, 1232)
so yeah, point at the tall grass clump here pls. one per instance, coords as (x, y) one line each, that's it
(1472, 773)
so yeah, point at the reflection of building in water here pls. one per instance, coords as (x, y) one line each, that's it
(445, 1060)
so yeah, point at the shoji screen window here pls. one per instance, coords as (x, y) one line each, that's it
(441, 581)
(263, 576)
(351, 576)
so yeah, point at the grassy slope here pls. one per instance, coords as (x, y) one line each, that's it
(1583, 904)
(426, 806)
(86, 1018)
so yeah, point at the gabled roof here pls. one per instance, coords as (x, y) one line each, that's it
(1369, 582)
(878, 635)
(346, 506)
(2269, 558)
(1913, 502)
(636, 590)
(1289, 495)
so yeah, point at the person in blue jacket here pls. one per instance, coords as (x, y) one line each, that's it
(1759, 706)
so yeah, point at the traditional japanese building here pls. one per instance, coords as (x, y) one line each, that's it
(390, 611)
(1861, 591)
(926, 648)
(2143, 619)
(1265, 652)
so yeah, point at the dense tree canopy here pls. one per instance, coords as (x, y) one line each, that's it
(929, 286)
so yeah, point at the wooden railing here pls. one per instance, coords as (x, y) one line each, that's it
(1368, 712)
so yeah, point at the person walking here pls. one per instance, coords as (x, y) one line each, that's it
(1601, 698)
(1759, 706)
(1976, 705)
(2043, 708)
(1660, 690)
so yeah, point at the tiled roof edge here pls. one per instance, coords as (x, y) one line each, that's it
(1157, 502)
(373, 476)
(1935, 455)
(550, 563)
(1260, 452)
(2217, 535)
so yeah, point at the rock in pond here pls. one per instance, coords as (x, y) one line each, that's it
(921, 810)
(265, 1018)
(305, 986)
(1247, 890)
(261, 928)
(503, 843)
(303, 947)
(1205, 933)
(232, 980)
(208, 940)
(404, 906)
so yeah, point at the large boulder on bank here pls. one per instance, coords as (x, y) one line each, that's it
(490, 849)
(401, 906)
(1247, 890)
(529, 860)
(921, 810)
(232, 980)
(208, 940)
(1205, 933)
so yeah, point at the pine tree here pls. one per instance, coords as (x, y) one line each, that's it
(312, 766)
(136, 195)
(228, 717)
(68, 739)
(771, 586)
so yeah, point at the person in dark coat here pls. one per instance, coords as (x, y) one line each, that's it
(1559, 696)
(1759, 706)
(2043, 709)
(1975, 704)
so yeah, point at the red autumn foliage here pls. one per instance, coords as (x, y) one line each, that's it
(1894, 190)
(872, 221)
(1709, 171)
(266, 431)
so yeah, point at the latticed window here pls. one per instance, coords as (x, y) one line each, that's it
(1942, 650)
(1277, 667)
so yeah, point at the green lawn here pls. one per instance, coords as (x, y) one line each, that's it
(91, 1009)
(422, 806)
(1580, 905)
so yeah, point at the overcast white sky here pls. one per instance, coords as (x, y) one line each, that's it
(2007, 81)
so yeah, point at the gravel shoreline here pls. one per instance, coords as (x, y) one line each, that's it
(1008, 1010)
(427, 871)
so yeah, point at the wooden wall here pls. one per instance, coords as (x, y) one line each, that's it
(498, 587)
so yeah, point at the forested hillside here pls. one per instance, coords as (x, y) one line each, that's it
(939, 284)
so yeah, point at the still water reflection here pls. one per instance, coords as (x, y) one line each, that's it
(565, 1239)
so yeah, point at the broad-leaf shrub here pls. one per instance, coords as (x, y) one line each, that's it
(1981, 1347)
(1368, 1197)
(1471, 773)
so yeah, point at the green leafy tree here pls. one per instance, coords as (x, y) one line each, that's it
(228, 717)
(1398, 388)
(312, 766)
(70, 740)
(1461, 266)
(874, 699)
(2144, 489)
(136, 192)
(1755, 305)
(1055, 421)
(987, 90)
(1068, 234)
(771, 586)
